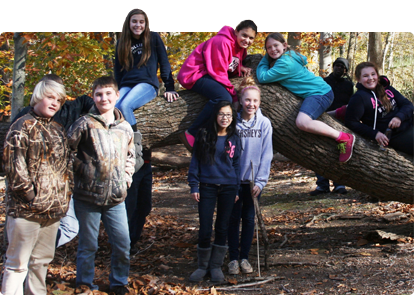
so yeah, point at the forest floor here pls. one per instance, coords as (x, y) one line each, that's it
(328, 244)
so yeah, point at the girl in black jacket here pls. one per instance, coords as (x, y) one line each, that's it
(376, 107)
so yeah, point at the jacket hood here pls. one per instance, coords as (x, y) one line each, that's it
(227, 32)
(343, 61)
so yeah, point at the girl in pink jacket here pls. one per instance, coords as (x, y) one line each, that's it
(207, 69)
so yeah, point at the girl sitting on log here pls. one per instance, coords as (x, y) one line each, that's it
(255, 132)
(376, 107)
(137, 56)
(214, 178)
(207, 70)
(286, 66)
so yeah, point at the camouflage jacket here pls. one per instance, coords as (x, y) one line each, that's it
(104, 158)
(37, 161)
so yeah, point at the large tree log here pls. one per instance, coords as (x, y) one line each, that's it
(386, 175)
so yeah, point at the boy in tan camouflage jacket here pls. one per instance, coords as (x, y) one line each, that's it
(104, 163)
(37, 162)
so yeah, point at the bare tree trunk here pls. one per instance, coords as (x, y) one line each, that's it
(351, 52)
(295, 28)
(325, 58)
(386, 175)
(390, 58)
(269, 25)
(375, 49)
(20, 51)
(384, 53)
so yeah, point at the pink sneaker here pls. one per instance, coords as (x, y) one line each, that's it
(345, 147)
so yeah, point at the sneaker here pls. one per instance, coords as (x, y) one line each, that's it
(234, 267)
(340, 190)
(317, 192)
(119, 290)
(345, 148)
(245, 266)
(187, 139)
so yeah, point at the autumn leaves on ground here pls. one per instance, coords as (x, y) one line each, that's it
(329, 244)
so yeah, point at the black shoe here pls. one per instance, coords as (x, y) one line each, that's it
(340, 190)
(119, 290)
(318, 192)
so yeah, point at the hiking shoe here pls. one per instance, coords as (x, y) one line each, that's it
(119, 290)
(340, 190)
(345, 148)
(234, 267)
(317, 192)
(245, 266)
(187, 139)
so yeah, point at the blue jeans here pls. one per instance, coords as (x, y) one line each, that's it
(131, 99)
(244, 210)
(115, 221)
(224, 196)
(323, 183)
(215, 92)
(138, 201)
(316, 105)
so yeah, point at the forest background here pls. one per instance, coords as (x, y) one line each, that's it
(79, 58)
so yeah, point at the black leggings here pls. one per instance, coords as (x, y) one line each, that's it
(404, 141)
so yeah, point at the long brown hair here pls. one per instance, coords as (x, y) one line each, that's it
(124, 44)
(278, 37)
(379, 89)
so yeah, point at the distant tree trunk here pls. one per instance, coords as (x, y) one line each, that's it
(387, 175)
(20, 51)
(295, 28)
(325, 58)
(269, 25)
(375, 49)
(385, 51)
(391, 56)
(351, 52)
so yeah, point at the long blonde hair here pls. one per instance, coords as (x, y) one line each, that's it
(124, 44)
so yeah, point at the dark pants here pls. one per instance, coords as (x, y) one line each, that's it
(215, 92)
(224, 196)
(323, 183)
(403, 141)
(244, 210)
(138, 201)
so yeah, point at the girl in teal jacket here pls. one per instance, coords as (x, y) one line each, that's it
(283, 65)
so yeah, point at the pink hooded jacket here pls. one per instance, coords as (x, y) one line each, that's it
(217, 57)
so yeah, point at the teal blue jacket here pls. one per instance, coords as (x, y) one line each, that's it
(291, 72)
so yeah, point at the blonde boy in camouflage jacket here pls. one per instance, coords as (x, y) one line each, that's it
(37, 162)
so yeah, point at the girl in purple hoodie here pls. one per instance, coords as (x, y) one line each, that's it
(207, 70)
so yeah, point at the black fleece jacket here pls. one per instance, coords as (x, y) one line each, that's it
(360, 113)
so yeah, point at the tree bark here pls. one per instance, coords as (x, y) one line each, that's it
(20, 52)
(325, 58)
(375, 49)
(295, 28)
(386, 175)
(351, 52)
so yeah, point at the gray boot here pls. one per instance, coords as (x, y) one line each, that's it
(203, 256)
(216, 261)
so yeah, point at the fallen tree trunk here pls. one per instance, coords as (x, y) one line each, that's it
(386, 175)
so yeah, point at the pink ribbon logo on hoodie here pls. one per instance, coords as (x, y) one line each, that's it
(230, 151)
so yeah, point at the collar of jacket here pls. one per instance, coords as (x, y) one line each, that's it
(94, 112)
(39, 118)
